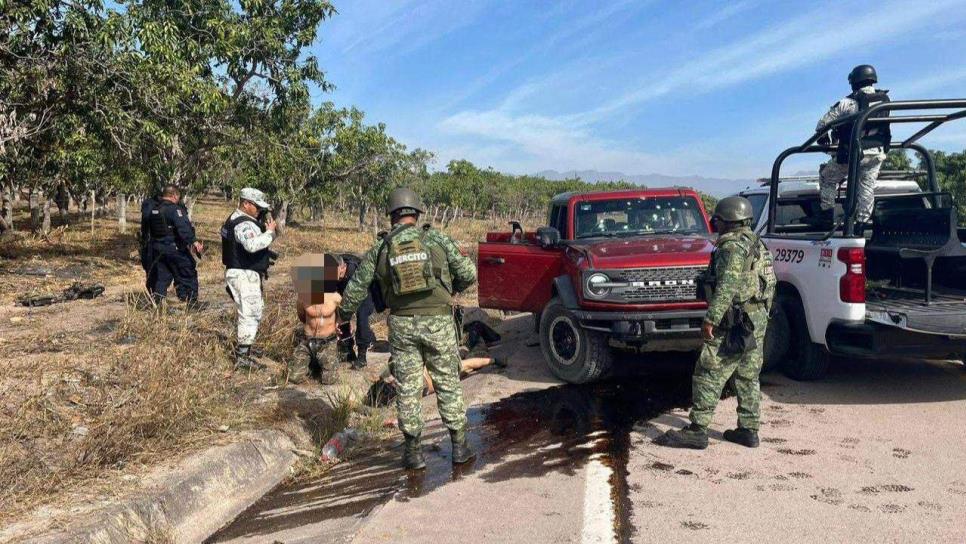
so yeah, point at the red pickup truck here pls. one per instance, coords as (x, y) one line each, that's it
(612, 269)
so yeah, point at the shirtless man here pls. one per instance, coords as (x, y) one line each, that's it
(316, 304)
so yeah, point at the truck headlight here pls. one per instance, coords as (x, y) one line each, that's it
(594, 287)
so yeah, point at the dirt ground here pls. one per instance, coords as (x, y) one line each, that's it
(93, 392)
(873, 453)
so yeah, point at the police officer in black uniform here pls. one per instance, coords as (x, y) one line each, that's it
(363, 337)
(172, 243)
(148, 262)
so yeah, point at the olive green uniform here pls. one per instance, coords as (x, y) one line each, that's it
(421, 327)
(741, 273)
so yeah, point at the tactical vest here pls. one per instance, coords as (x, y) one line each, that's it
(158, 226)
(758, 281)
(234, 255)
(413, 273)
(873, 135)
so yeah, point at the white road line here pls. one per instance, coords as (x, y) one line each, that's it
(599, 515)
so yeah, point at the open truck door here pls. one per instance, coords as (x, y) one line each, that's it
(515, 273)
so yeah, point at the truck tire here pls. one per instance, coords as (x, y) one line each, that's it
(574, 354)
(777, 337)
(805, 360)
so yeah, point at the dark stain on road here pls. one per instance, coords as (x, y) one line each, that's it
(531, 434)
(527, 435)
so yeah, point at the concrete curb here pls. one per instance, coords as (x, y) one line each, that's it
(192, 500)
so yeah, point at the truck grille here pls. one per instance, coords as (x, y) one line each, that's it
(675, 284)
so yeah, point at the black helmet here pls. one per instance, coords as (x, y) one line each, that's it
(733, 209)
(862, 75)
(405, 201)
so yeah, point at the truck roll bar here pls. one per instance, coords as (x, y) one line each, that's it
(860, 120)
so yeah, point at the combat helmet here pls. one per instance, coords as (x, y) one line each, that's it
(733, 209)
(862, 75)
(405, 201)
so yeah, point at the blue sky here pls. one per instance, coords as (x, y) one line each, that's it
(682, 88)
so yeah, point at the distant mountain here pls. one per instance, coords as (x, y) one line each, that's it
(717, 187)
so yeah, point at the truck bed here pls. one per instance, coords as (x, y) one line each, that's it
(907, 309)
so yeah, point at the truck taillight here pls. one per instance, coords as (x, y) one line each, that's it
(852, 284)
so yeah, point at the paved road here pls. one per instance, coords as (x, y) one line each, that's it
(873, 453)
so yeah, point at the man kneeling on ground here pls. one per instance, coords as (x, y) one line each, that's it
(315, 283)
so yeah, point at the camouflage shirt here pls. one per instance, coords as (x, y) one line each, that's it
(462, 270)
(734, 282)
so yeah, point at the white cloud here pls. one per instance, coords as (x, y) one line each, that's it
(729, 10)
(569, 141)
(944, 83)
(786, 46)
(540, 140)
(369, 27)
(580, 26)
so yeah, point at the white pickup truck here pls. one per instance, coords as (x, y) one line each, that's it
(895, 289)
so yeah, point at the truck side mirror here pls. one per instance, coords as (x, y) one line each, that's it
(548, 237)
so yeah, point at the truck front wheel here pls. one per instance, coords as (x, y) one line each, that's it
(574, 354)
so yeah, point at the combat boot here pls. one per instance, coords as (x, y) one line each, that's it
(360, 361)
(693, 436)
(461, 449)
(244, 360)
(745, 437)
(413, 453)
(346, 352)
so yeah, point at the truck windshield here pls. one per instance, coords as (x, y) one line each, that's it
(633, 216)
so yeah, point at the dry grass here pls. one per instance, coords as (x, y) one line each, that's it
(102, 388)
(154, 383)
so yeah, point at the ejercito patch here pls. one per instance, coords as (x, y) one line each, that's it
(408, 258)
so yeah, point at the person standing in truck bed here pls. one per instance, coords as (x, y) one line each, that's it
(874, 141)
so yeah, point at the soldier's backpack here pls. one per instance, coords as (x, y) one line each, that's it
(409, 263)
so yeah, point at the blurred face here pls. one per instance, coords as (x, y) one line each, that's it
(342, 271)
(249, 207)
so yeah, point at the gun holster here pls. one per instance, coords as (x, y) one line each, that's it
(739, 331)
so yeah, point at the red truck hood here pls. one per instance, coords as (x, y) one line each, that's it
(647, 251)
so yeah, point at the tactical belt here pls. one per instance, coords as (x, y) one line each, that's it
(413, 312)
(320, 340)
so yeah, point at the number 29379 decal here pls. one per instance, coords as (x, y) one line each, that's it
(784, 255)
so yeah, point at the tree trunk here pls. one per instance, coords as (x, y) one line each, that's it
(93, 210)
(363, 210)
(45, 224)
(375, 224)
(6, 214)
(34, 200)
(281, 217)
(189, 203)
(122, 212)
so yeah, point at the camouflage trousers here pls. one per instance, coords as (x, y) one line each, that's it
(713, 371)
(313, 355)
(245, 288)
(428, 341)
(833, 173)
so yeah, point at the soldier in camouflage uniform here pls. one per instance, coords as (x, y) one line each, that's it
(418, 270)
(874, 141)
(740, 276)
